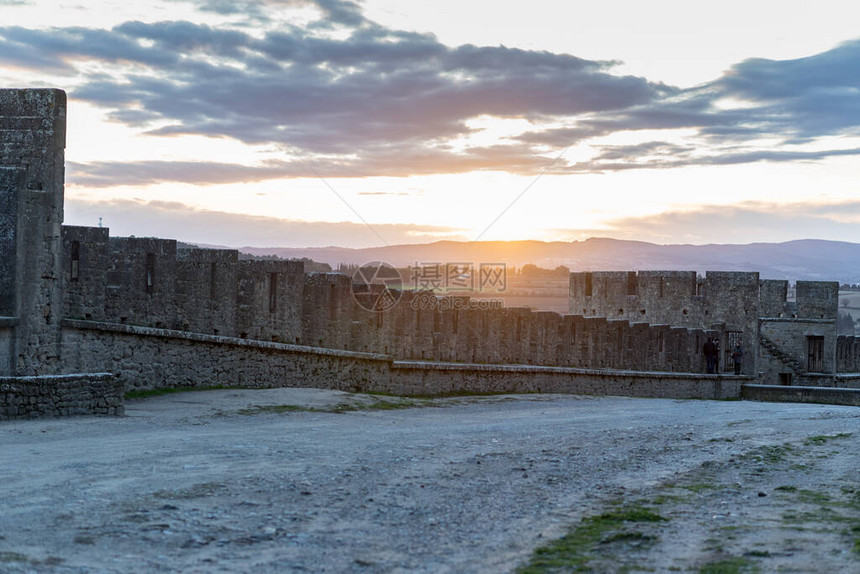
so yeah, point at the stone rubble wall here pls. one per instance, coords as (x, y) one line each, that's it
(729, 302)
(847, 354)
(60, 395)
(800, 394)
(149, 282)
(146, 358)
(32, 144)
(791, 336)
(244, 317)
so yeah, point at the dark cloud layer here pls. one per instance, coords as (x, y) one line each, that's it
(378, 101)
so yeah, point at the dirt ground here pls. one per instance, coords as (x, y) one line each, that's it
(302, 480)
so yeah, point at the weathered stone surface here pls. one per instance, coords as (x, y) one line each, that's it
(726, 305)
(148, 358)
(165, 316)
(32, 142)
(60, 395)
(799, 394)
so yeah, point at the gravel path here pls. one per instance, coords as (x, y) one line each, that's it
(292, 480)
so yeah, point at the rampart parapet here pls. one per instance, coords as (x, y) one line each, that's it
(76, 298)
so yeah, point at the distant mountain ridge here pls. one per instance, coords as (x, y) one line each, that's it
(805, 259)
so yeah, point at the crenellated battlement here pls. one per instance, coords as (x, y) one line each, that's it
(642, 321)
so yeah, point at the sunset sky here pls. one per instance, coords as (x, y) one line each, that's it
(365, 123)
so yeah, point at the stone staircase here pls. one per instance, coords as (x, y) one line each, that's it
(786, 359)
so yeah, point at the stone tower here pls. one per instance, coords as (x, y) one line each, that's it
(32, 143)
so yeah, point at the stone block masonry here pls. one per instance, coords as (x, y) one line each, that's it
(799, 336)
(32, 143)
(150, 282)
(76, 300)
(795, 394)
(60, 395)
(147, 358)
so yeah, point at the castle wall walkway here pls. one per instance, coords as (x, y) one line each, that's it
(149, 358)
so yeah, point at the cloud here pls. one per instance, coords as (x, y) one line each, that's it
(742, 223)
(334, 11)
(370, 100)
(386, 163)
(663, 155)
(360, 97)
(179, 221)
(109, 174)
(792, 101)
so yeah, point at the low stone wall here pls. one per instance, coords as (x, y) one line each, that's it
(787, 394)
(147, 358)
(60, 395)
(840, 380)
(414, 378)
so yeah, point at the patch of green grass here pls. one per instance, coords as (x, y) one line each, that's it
(392, 406)
(632, 514)
(823, 438)
(787, 488)
(740, 422)
(260, 409)
(770, 454)
(462, 393)
(339, 408)
(196, 491)
(822, 514)
(668, 498)
(148, 393)
(634, 537)
(734, 565)
(855, 532)
(573, 551)
(813, 497)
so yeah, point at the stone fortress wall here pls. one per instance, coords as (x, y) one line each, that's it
(149, 282)
(640, 321)
(784, 341)
(76, 300)
(32, 150)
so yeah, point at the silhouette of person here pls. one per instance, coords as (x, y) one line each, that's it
(710, 351)
(737, 357)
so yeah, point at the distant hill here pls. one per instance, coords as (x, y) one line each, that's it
(807, 259)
